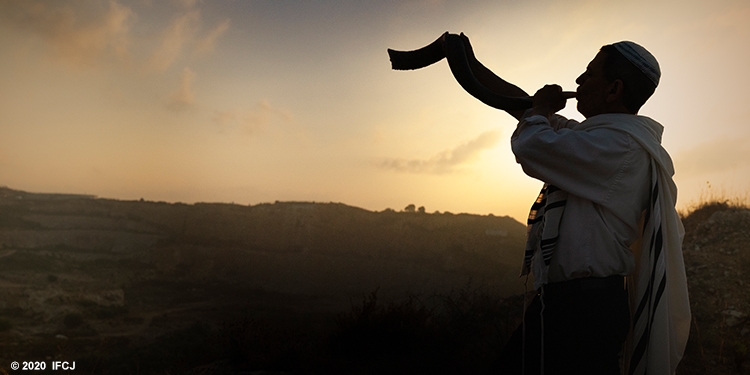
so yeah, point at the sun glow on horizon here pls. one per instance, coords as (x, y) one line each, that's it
(253, 102)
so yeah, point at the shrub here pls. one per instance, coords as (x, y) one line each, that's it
(5, 325)
(106, 312)
(73, 320)
(387, 337)
(461, 333)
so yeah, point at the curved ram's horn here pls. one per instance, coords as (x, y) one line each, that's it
(459, 64)
(425, 56)
(451, 47)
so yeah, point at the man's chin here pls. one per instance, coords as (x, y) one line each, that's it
(585, 112)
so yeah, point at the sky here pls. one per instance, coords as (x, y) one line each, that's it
(258, 101)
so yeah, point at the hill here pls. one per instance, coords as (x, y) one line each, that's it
(126, 287)
(78, 272)
(717, 259)
(287, 247)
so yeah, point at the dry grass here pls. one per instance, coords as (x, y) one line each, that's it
(717, 258)
(717, 198)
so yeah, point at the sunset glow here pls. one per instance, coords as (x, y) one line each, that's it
(258, 101)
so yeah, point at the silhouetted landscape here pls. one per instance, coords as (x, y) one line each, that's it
(149, 287)
(138, 287)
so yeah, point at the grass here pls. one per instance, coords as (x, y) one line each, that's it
(458, 332)
(5, 325)
(710, 203)
(716, 200)
(73, 320)
(174, 352)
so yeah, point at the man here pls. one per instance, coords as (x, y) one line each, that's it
(608, 198)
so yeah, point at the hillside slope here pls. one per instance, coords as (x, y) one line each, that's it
(132, 283)
(137, 270)
(717, 260)
(283, 247)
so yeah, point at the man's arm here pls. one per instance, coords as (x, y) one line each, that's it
(491, 81)
(550, 99)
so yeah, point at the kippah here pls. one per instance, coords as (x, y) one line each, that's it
(641, 58)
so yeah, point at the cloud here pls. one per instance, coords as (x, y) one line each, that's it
(88, 32)
(206, 44)
(224, 119)
(180, 32)
(716, 156)
(82, 36)
(252, 121)
(262, 115)
(184, 97)
(183, 33)
(445, 161)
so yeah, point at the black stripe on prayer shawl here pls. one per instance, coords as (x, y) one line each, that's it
(548, 247)
(646, 311)
(549, 242)
(554, 205)
(538, 225)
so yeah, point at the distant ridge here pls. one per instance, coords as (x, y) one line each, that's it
(7, 193)
(286, 247)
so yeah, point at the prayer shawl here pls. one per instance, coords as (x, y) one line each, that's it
(660, 309)
(542, 231)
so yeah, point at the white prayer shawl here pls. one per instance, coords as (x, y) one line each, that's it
(660, 308)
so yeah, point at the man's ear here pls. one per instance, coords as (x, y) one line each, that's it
(615, 91)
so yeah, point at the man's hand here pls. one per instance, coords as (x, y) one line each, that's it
(550, 99)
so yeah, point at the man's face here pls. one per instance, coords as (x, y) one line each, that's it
(593, 88)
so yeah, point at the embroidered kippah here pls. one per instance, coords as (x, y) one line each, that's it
(641, 58)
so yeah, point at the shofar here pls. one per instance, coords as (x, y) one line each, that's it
(451, 47)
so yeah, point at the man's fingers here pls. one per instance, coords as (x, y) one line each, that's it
(550, 99)
(565, 94)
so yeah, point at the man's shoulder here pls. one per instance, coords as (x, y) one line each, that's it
(640, 127)
(620, 118)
